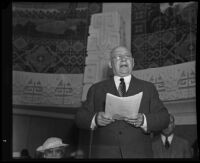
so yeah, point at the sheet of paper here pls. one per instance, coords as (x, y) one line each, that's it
(121, 107)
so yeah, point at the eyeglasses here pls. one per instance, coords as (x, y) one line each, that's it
(122, 57)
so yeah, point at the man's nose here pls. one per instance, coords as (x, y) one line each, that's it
(123, 59)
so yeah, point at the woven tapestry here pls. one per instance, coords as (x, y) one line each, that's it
(163, 38)
(51, 37)
(174, 82)
(41, 89)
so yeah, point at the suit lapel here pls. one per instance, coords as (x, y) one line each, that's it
(111, 88)
(134, 87)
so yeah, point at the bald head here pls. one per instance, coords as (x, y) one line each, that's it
(118, 50)
(121, 61)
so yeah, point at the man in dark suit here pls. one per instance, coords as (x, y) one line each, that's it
(168, 145)
(127, 138)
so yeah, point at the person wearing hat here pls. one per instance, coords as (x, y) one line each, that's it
(53, 147)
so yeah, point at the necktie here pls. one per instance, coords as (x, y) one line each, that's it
(167, 143)
(122, 87)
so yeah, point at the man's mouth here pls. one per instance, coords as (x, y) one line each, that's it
(124, 66)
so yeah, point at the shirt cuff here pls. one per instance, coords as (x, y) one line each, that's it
(144, 126)
(93, 125)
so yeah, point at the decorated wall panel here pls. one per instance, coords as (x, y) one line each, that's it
(175, 82)
(51, 37)
(163, 38)
(49, 51)
(42, 89)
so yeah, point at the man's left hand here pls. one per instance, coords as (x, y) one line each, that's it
(137, 120)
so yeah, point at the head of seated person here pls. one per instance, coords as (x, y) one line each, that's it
(171, 126)
(53, 148)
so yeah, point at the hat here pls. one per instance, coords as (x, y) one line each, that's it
(52, 142)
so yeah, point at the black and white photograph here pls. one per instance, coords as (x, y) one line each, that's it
(99, 80)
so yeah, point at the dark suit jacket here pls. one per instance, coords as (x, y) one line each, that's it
(179, 148)
(120, 139)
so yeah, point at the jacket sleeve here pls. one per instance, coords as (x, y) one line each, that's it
(85, 114)
(158, 117)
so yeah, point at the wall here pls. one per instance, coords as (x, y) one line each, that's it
(51, 38)
(124, 10)
(163, 38)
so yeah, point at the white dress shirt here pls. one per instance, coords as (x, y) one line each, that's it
(163, 137)
(127, 80)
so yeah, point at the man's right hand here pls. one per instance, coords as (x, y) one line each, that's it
(102, 119)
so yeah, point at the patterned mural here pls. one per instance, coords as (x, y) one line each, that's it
(42, 89)
(161, 39)
(50, 44)
(174, 82)
(51, 38)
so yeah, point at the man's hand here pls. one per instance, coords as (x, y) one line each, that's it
(137, 120)
(102, 120)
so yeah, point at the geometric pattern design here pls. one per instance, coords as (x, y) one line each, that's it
(174, 82)
(159, 39)
(50, 39)
(47, 89)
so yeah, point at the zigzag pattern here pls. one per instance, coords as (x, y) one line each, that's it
(162, 39)
(51, 41)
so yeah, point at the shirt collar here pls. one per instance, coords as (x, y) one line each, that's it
(127, 79)
(163, 137)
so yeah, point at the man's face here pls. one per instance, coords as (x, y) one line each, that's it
(121, 62)
(170, 127)
(54, 153)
